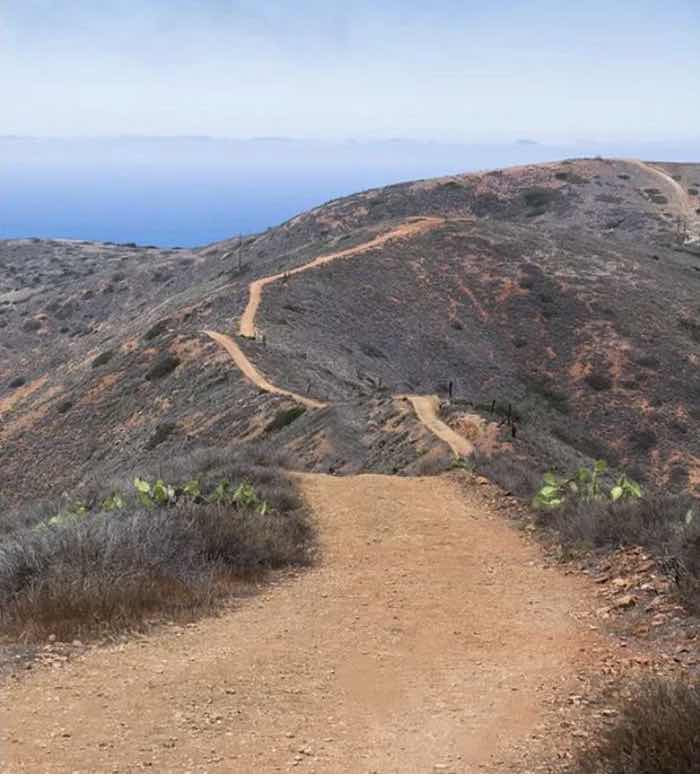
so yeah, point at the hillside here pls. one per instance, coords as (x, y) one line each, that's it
(568, 291)
(504, 323)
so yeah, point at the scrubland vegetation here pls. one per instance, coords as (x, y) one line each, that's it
(168, 542)
(656, 730)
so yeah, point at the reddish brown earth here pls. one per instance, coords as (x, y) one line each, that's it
(567, 290)
(431, 637)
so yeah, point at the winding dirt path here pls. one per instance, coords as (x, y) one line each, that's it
(686, 208)
(255, 289)
(246, 366)
(431, 637)
(426, 407)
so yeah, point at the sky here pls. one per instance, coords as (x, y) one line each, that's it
(551, 70)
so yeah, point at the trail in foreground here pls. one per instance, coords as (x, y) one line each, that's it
(429, 637)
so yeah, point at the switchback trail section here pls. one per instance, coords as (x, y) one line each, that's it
(426, 407)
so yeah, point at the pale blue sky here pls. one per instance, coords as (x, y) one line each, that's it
(555, 70)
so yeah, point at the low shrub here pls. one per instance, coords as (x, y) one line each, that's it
(643, 439)
(103, 358)
(157, 329)
(163, 367)
(656, 730)
(128, 551)
(538, 200)
(513, 475)
(162, 432)
(284, 418)
(667, 525)
(545, 387)
(599, 381)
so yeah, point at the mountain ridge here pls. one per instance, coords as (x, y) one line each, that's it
(532, 253)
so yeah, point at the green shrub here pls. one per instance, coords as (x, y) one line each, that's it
(583, 485)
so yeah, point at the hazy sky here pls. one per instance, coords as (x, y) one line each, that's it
(549, 69)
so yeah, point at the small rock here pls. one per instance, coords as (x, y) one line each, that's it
(654, 603)
(52, 638)
(625, 601)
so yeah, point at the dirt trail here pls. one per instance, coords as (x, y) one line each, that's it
(427, 408)
(430, 637)
(687, 210)
(246, 366)
(247, 325)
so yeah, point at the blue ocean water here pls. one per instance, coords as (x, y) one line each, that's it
(193, 191)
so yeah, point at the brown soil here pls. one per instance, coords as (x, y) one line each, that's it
(431, 637)
(244, 364)
(426, 408)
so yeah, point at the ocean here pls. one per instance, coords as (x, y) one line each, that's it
(193, 191)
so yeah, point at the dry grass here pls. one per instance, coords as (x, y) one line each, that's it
(116, 570)
(657, 730)
(668, 526)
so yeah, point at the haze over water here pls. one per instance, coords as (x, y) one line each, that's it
(192, 191)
